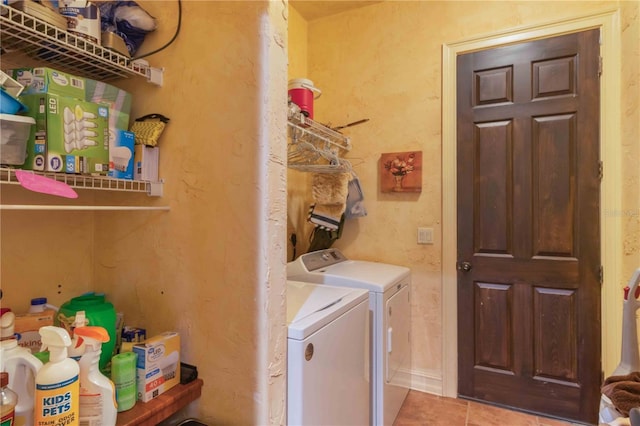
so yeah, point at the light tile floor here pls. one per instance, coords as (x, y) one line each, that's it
(421, 408)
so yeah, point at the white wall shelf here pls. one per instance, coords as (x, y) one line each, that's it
(67, 52)
(314, 147)
(153, 189)
(41, 207)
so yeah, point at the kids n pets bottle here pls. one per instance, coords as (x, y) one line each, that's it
(57, 382)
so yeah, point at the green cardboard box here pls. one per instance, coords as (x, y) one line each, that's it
(119, 102)
(42, 80)
(70, 135)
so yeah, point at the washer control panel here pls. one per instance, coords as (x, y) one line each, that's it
(321, 259)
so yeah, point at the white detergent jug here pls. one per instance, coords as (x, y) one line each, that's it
(22, 367)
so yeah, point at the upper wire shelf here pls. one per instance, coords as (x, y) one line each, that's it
(45, 42)
(8, 176)
(314, 147)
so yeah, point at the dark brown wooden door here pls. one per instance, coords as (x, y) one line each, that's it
(528, 226)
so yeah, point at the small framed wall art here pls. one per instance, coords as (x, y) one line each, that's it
(401, 171)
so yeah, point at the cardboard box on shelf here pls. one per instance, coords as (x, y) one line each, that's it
(41, 80)
(158, 365)
(83, 19)
(70, 135)
(121, 155)
(48, 80)
(27, 327)
(119, 102)
(146, 161)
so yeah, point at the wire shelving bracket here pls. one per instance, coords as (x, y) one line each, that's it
(314, 147)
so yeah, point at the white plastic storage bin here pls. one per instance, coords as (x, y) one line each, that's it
(14, 132)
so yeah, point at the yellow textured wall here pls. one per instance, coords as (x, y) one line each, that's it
(383, 62)
(630, 132)
(204, 267)
(212, 267)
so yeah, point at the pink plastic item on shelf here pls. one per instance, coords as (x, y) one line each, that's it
(45, 185)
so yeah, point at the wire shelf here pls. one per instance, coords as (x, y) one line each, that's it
(8, 176)
(314, 147)
(74, 54)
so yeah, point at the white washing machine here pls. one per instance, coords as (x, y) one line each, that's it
(327, 355)
(389, 288)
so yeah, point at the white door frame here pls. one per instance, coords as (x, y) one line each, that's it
(610, 154)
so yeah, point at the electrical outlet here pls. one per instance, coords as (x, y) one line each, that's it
(425, 235)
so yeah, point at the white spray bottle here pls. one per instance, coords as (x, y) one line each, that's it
(98, 405)
(630, 357)
(77, 345)
(57, 384)
(22, 367)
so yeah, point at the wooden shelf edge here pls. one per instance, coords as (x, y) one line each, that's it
(153, 412)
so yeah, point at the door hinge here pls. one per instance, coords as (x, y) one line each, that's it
(600, 170)
(600, 66)
(600, 275)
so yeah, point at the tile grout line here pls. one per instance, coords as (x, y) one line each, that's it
(466, 420)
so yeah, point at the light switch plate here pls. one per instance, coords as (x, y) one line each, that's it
(425, 235)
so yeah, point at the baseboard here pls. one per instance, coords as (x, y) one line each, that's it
(429, 381)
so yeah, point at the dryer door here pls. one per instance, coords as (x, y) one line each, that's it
(398, 327)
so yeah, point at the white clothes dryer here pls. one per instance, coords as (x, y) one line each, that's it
(327, 355)
(389, 288)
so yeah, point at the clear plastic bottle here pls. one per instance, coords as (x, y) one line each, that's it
(8, 401)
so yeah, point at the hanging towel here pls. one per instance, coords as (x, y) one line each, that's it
(326, 216)
(321, 239)
(330, 188)
(623, 391)
(355, 200)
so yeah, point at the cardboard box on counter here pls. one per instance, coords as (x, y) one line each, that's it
(27, 327)
(70, 135)
(158, 365)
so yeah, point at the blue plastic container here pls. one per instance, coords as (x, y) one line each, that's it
(9, 104)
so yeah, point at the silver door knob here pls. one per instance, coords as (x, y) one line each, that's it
(464, 266)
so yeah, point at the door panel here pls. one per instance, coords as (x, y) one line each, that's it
(528, 226)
